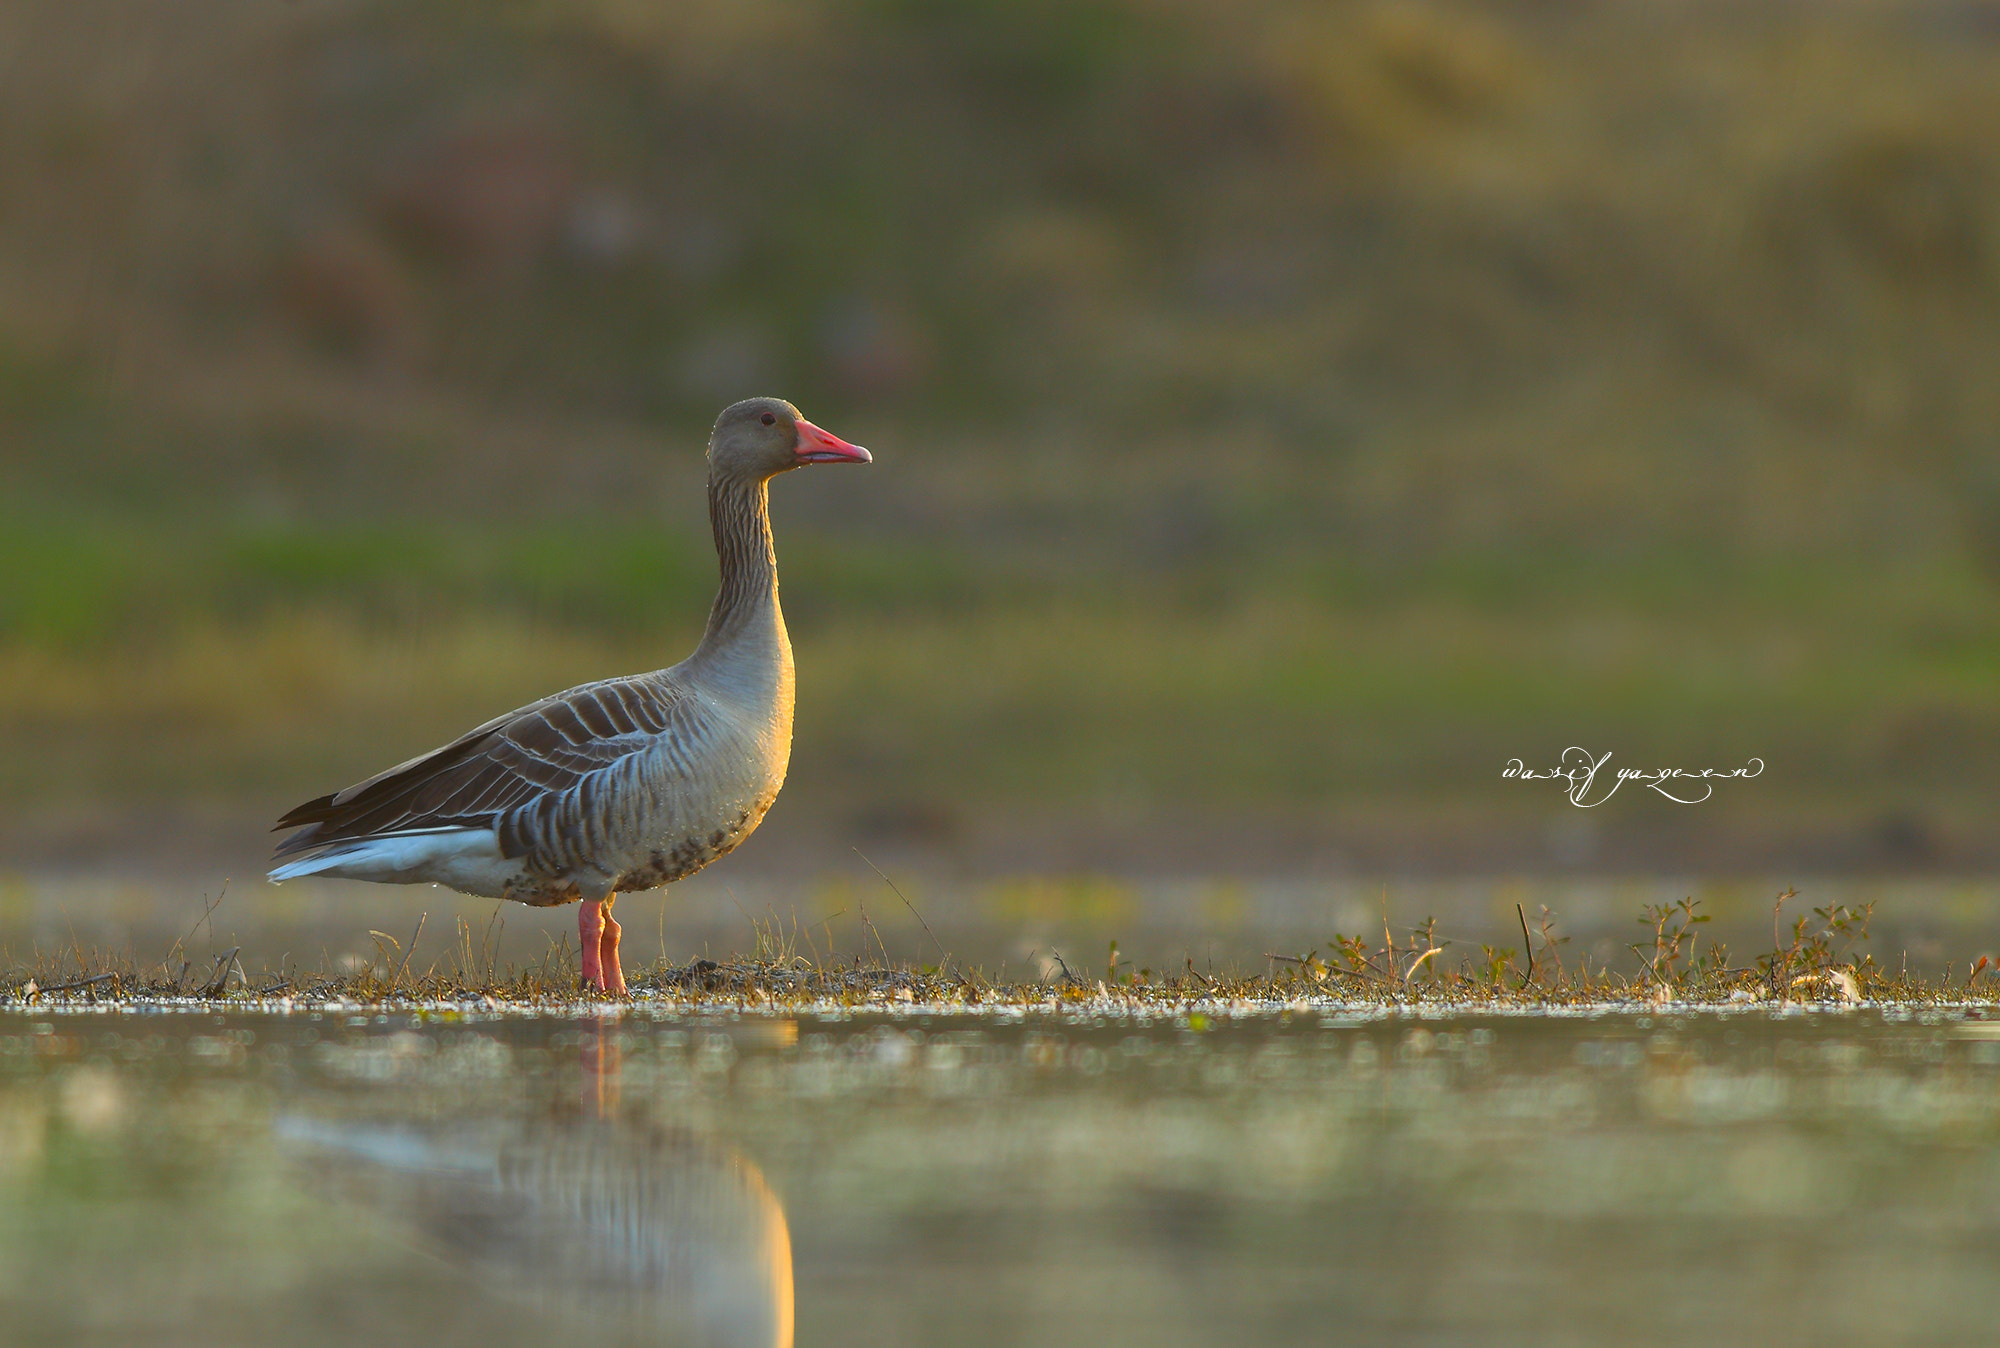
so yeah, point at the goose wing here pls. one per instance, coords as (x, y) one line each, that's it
(540, 752)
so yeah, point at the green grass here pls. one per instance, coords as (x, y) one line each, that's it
(138, 660)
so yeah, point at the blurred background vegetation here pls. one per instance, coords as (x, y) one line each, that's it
(1285, 413)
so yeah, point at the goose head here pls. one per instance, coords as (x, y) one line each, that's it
(762, 437)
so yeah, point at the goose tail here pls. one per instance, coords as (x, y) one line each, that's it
(419, 855)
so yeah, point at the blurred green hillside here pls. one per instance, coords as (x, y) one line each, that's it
(1281, 409)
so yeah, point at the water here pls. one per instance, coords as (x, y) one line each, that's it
(343, 1178)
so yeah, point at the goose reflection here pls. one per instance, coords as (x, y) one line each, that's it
(629, 1224)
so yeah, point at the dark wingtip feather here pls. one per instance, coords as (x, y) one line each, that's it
(309, 813)
(305, 840)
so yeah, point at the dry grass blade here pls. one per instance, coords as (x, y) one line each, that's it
(943, 956)
(398, 977)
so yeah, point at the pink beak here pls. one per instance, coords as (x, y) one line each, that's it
(818, 446)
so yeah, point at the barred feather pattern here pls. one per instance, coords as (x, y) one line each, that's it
(618, 785)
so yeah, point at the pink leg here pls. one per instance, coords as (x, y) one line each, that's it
(610, 976)
(589, 931)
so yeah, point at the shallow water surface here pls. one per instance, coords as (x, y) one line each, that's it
(337, 1178)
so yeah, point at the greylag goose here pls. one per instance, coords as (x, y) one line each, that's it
(626, 784)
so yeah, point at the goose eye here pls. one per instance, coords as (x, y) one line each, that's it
(768, 419)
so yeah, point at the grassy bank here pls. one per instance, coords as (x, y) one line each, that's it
(1818, 957)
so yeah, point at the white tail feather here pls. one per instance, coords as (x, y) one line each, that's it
(450, 856)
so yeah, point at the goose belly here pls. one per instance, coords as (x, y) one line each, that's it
(701, 817)
(683, 851)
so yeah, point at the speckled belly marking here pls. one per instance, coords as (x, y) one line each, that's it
(684, 858)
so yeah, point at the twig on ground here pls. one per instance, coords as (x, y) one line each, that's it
(1069, 977)
(73, 985)
(224, 966)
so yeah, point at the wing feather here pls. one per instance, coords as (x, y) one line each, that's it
(526, 758)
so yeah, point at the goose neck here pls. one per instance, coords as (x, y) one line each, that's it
(739, 513)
